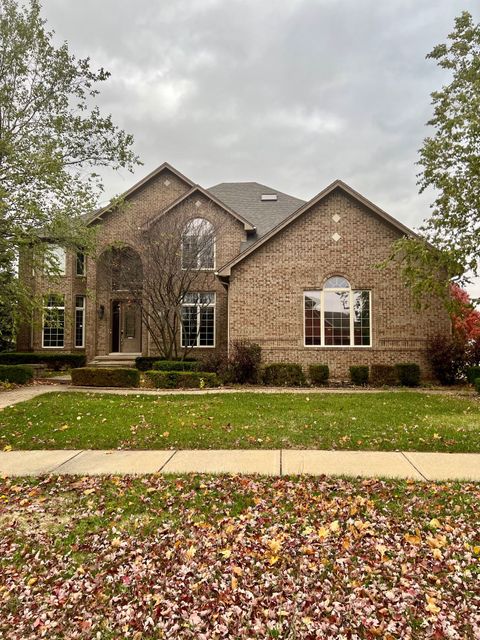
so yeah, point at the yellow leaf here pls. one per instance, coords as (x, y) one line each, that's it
(7, 447)
(323, 532)
(434, 523)
(116, 543)
(274, 545)
(335, 526)
(226, 553)
(412, 539)
(191, 551)
(307, 621)
(273, 560)
(476, 549)
(237, 570)
(234, 582)
(32, 581)
(88, 492)
(437, 554)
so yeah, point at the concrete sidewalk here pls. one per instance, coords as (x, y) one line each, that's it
(274, 462)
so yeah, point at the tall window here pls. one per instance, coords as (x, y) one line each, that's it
(79, 321)
(198, 245)
(198, 320)
(337, 316)
(56, 259)
(80, 266)
(53, 333)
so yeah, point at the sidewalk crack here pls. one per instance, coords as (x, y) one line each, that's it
(281, 462)
(166, 462)
(65, 461)
(414, 465)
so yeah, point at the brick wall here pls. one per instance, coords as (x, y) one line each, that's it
(266, 289)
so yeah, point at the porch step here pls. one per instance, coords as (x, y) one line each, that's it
(114, 360)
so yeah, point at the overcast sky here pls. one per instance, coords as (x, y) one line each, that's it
(290, 93)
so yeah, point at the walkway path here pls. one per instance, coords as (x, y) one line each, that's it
(9, 398)
(388, 464)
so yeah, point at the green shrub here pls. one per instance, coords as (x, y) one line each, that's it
(281, 374)
(145, 363)
(383, 374)
(359, 374)
(318, 373)
(55, 361)
(16, 373)
(175, 365)
(104, 377)
(472, 374)
(408, 374)
(476, 384)
(182, 379)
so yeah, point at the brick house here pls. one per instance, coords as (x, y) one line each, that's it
(299, 278)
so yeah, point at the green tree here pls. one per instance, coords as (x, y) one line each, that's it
(53, 138)
(450, 165)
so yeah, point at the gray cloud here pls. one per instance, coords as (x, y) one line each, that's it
(292, 93)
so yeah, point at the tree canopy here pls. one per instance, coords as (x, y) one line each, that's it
(53, 138)
(450, 167)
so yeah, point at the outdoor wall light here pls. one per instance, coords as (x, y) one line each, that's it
(101, 312)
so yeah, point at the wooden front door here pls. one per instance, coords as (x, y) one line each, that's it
(126, 327)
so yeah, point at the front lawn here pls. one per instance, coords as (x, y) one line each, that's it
(375, 421)
(237, 557)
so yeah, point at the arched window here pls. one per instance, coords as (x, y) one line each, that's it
(337, 315)
(198, 245)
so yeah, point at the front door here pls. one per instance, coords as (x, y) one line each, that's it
(126, 327)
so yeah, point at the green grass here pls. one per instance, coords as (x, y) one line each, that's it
(370, 421)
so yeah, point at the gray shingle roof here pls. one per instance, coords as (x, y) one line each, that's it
(245, 199)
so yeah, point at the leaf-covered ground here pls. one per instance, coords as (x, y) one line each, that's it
(403, 420)
(238, 557)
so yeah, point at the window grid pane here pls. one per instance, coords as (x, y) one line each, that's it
(312, 318)
(80, 263)
(54, 321)
(198, 320)
(337, 318)
(361, 318)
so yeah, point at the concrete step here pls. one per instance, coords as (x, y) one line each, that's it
(114, 360)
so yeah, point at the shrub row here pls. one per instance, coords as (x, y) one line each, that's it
(55, 361)
(145, 363)
(182, 379)
(407, 374)
(477, 384)
(104, 377)
(282, 374)
(175, 365)
(16, 373)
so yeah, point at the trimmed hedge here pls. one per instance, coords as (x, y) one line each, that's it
(104, 377)
(408, 374)
(145, 363)
(318, 373)
(55, 361)
(182, 379)
(473, 373)
(16, 373)
(383, 374)
(175, 365)
(476, 384)
(359, 374)
(281, 374)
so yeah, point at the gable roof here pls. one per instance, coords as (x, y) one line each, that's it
(248, 226)
(337, 184)
(138, 185)
(245, 199)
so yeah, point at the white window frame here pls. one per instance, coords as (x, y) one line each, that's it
(320, 293)
(84, 272)
(197, 267)
(199, 307)
(58, 307)
(82, 309)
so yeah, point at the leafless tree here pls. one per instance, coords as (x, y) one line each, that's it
(168, 268)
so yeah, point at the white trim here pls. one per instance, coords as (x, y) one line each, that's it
(352, 344)
(199, 307)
